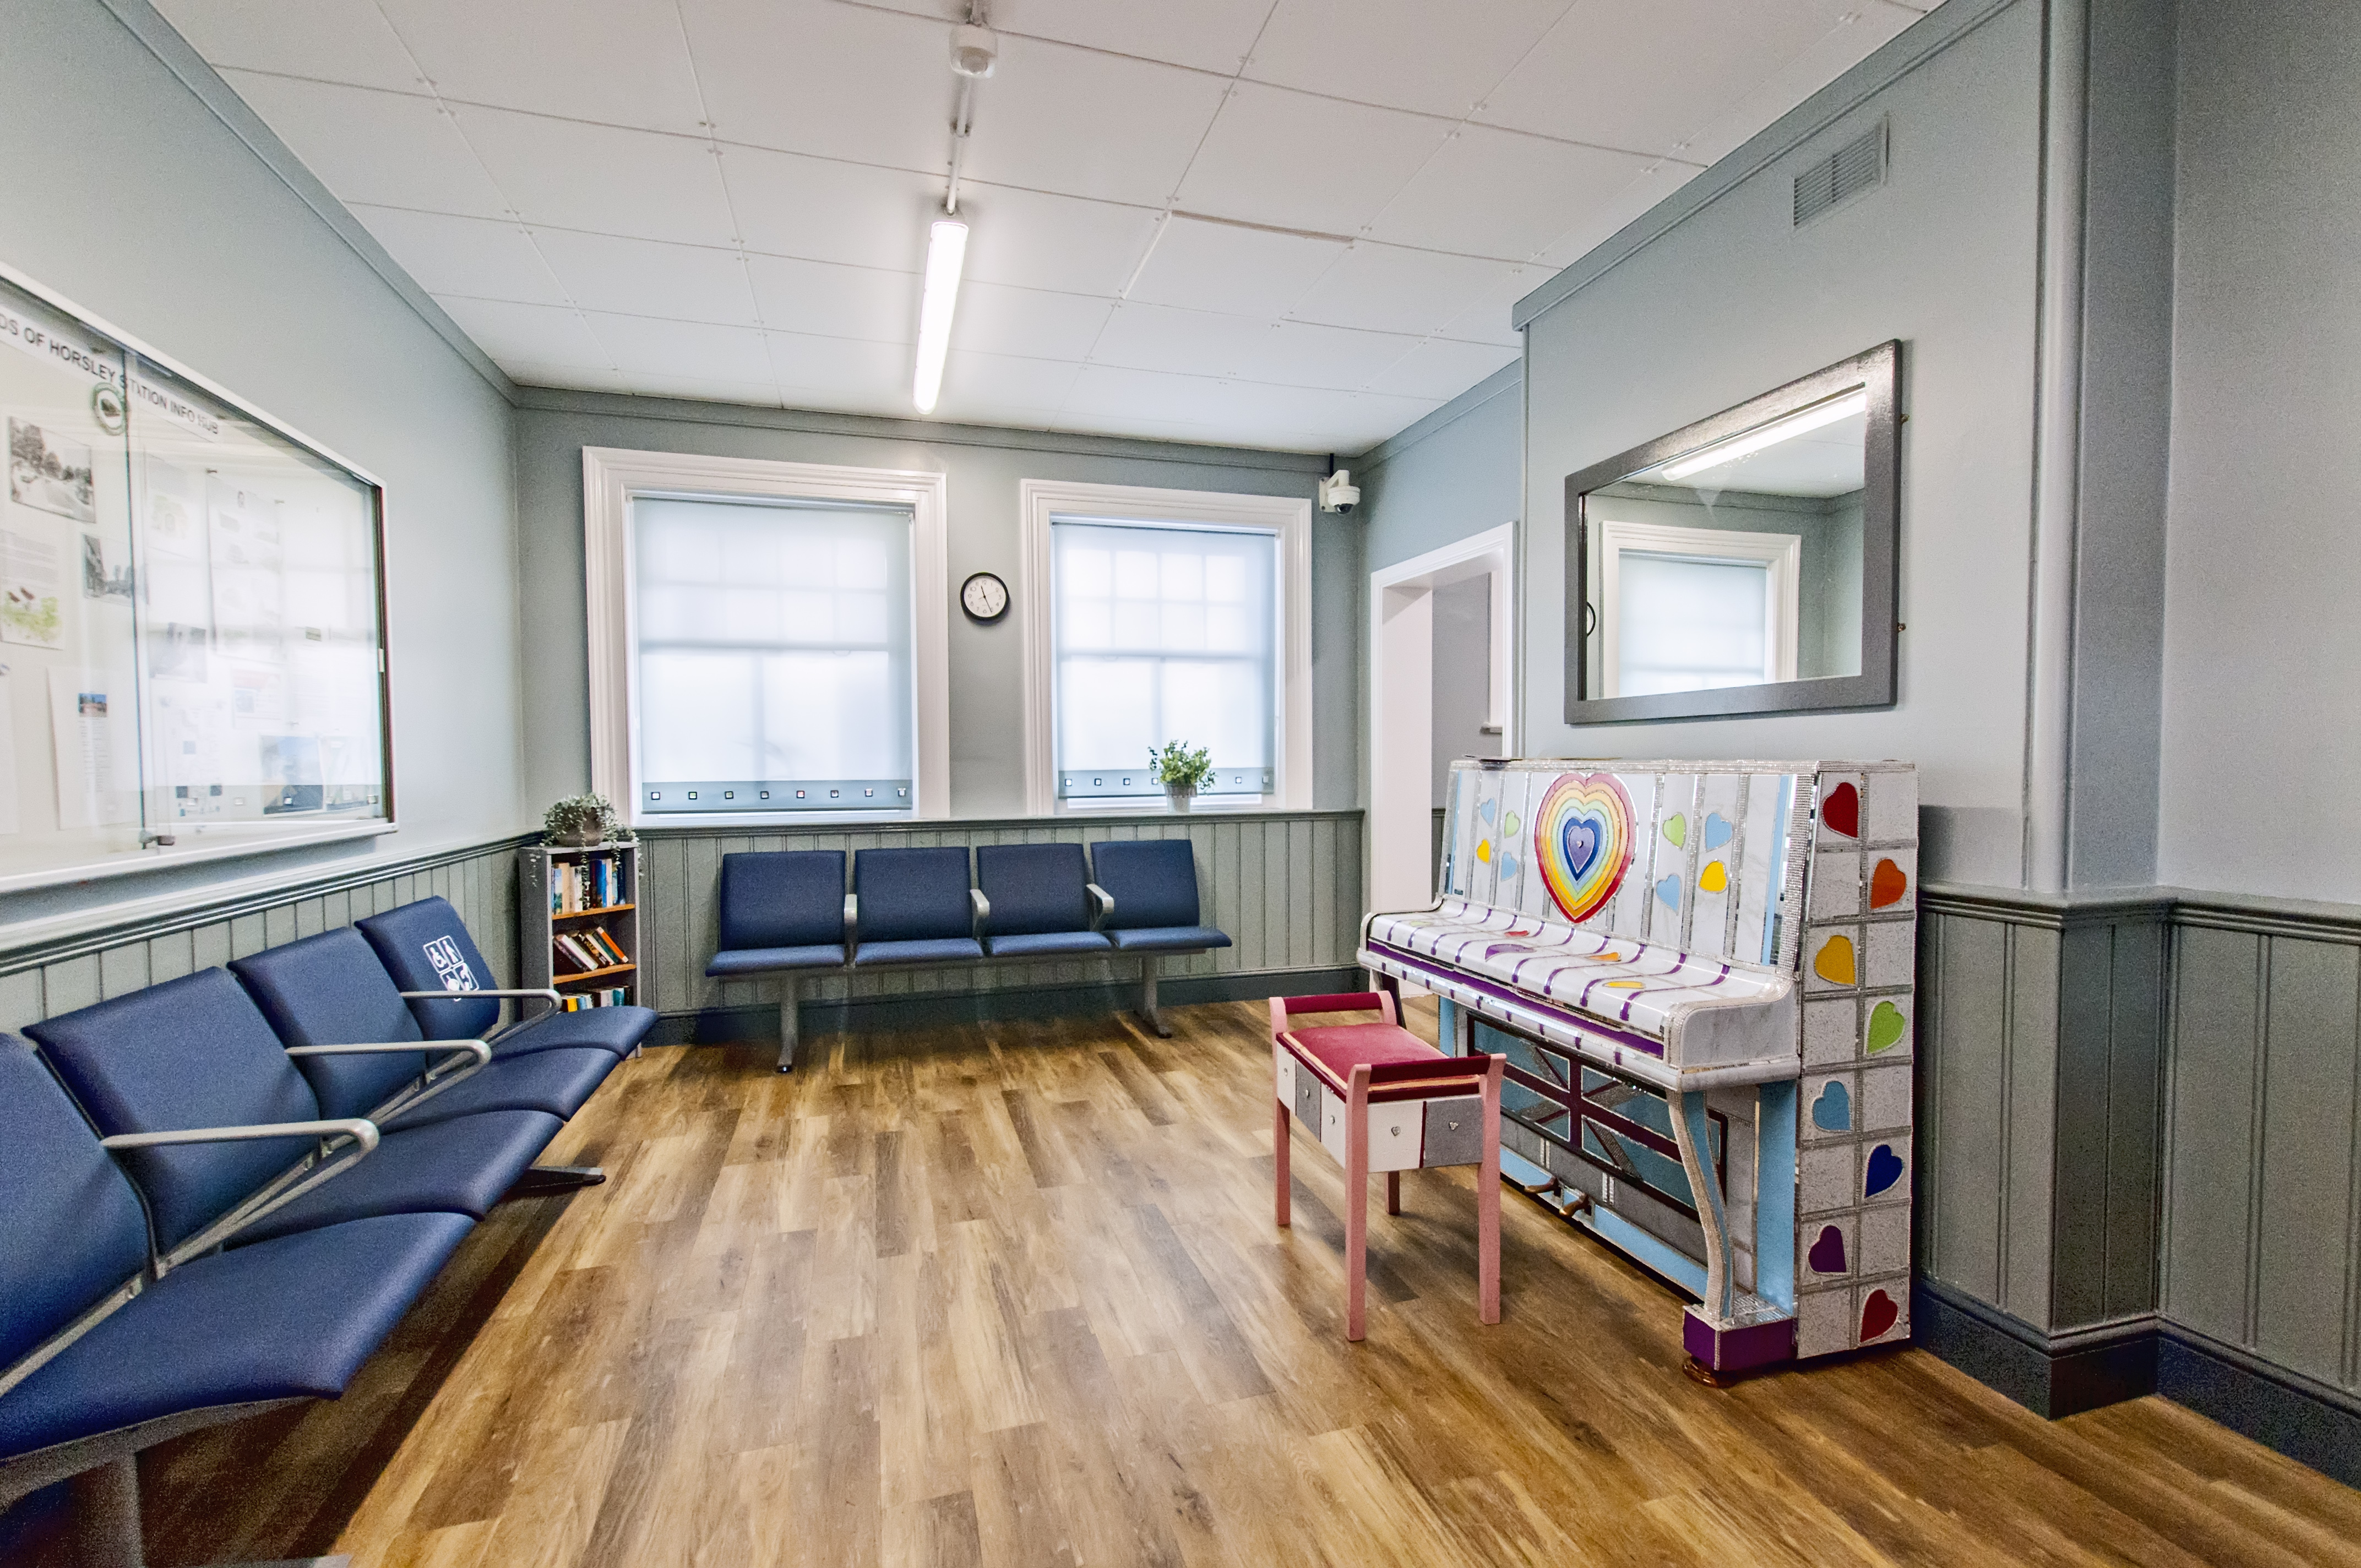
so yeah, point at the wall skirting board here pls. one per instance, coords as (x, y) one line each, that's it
(2140, 1155)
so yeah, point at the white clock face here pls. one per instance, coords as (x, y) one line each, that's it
(984, 597)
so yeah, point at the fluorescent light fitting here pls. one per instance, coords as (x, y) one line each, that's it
(1772, 434)
(946, 254)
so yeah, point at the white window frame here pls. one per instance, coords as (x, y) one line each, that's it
(1782, 553)
(612, 476)
(1289, 519)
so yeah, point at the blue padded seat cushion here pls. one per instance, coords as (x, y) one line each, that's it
(759, 960)
(70, 1227)
(557, 1081)
(330, 990)
(782, 898)
(1034, 888)
(1152, 881)
(1039, 943)
(615, 1029)
(424, 945)
(912, 895)
(1169, 939)
(934, 950)
(459, 1166)
(287, 1319)
(193, 1052)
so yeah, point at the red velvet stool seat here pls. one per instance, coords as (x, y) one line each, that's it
(1378, 1097)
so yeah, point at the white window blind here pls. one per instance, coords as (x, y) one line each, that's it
(1163, 633)
(1688, 624)
(773, 653)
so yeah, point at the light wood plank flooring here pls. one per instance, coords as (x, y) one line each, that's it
(1012, 1294)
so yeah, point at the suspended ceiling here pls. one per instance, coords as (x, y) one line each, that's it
(1285, 224)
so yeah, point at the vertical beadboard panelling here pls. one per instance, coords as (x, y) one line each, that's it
(2134, 1112)
(2216, 1039)
(2030, 1177)
(2304, 1196)
(1963, 1165)
(2086, 968)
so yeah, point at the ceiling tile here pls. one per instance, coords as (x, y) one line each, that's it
(1389, 289)
(329, 40)
(1040, 241)
(1031, 323)
(620, 62)
(565, 174)
(1858, 33)
(986, 386)
(488, 258)
(1484, 317)
(1053, 118)
(1341, 162)
(647, 278)
(1648, 74)
(1211, 35)
(840, 372)
(528, 334)
(380, 147)
(1500, 194)
(816, 76)
(1441, 368)
(1119, 392)
(836, 302)
(1198, 343)
(1405, 54)
(824, 210)
(1221, 267)
(1602, 222)
(643, 345)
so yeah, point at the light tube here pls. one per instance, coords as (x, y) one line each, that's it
(1771, 435)
(946, 254)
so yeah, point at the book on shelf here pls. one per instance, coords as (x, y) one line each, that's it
(607, 996)
(577, 887)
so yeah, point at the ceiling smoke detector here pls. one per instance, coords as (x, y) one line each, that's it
(974, 50)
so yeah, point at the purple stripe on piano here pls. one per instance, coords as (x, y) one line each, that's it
(1638, 1044)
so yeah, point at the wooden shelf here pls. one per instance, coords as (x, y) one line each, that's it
(594, 974)
(585, 913)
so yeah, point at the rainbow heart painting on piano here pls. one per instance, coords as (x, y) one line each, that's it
(1583, 839)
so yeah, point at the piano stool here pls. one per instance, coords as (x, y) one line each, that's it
(1378, 1097)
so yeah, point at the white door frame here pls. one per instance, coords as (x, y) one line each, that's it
(1401, 703)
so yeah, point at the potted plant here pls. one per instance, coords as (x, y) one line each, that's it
(581, 821)
(1181, 771)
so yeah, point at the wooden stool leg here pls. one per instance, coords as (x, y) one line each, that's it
(1488, 1202)
(1393, 1192)
(1280, 1157)
(1357, 1204)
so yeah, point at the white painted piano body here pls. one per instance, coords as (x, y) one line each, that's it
(1702, 973)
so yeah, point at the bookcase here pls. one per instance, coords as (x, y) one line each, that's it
(579, 911)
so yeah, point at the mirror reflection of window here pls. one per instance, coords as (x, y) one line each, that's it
(1691, 622)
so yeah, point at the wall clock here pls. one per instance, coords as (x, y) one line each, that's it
(984, 597)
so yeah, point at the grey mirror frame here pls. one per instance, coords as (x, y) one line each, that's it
(1879, 372)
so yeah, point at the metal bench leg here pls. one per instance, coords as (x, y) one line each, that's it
(787, 1009)
(107, 1515)
(1147, 995)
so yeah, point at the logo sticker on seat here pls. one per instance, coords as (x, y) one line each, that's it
(449, 966)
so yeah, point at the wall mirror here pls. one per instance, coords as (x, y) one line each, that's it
(1745, 564)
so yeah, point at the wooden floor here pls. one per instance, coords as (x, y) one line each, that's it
(1012, 1294)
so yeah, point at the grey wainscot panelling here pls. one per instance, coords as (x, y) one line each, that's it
(1285, 885)
(53, 977)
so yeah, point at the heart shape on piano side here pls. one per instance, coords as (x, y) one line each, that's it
(1487, 809)
(1832, 1108)
(1676, 830)
(1581, 838)
(1884, 1170)
(1834, 962)
(1878, 1315)
(1507, 863)
(1509, 825)
(1886, 1028)
(1841, 810)
(1668, 892)
(1717, 830)
(1713, 879)
(1827, 1254)
(1886, 884)
(1484, 851)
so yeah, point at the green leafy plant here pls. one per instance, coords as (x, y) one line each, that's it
(582, 819)
(1178, 767)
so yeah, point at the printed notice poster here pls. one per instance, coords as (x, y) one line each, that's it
(31, 581)
(48, 471)
(97, 746)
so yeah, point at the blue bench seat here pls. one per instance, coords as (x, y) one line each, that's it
(1037, 902)
(1149, 887)
(425, 947)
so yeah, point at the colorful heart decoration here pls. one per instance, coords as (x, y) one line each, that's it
(1884, 1170)
(1668, 892)
(1580, 840)
(1886, 884)
(1509, 824)
(1714, 878)
(1886, 1028)
(1508, 867)
(1878, 1316)
(1841, 811)
(1676, 830)
(1583, 834)
(1827, 1254)
(1484, 851)
(1717, 830)
(1486, 808)
(1832, 1108)
(1834, 963)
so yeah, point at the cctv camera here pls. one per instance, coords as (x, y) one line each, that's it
(1339, 493)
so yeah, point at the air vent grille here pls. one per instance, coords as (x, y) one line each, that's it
(1858, 166)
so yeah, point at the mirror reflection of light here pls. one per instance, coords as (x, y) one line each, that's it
(1746, 445)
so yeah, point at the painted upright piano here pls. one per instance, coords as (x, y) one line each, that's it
(1701, 974)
